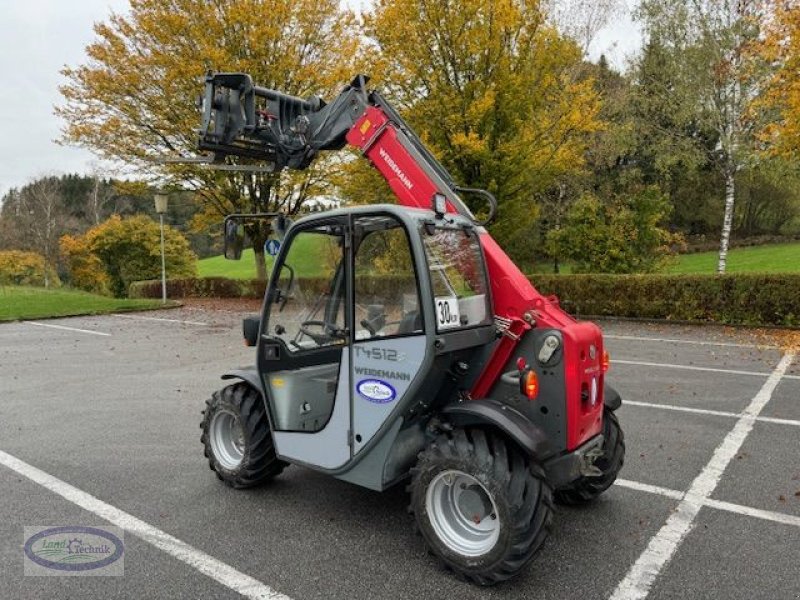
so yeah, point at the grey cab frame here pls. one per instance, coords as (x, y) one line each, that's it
(371, 444)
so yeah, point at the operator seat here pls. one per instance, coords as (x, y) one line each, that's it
(410, 323)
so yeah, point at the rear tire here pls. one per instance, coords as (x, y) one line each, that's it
(587, 489)
(482, 506)
(236, 437)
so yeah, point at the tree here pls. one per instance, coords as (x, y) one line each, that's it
(134, 99)
(129, 250)
(625, 235)
(40, 220)
(495, 92)
(607, 154)
(704, 44)
(780, 48)
(582, 20)
(99, 195)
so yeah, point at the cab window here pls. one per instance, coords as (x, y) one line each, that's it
(458, 278)
(386, 292)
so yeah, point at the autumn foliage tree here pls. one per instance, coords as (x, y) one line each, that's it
(134, 99)
(781, 48)
(494, 90)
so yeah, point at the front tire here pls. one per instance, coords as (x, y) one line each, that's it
(237, 439)
(482, 506)
(587, 489)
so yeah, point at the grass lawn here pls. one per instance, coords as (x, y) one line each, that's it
(306, 259)
(20, 302)
(773, 258)
(219, 266)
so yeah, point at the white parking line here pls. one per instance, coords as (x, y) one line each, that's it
(692, 342)
(767, 515)
(688, 367)
(662, 546)
(704, 411)
(138, 317)
(739, 509)
(650, 489)
(208, 565)
(90, 331)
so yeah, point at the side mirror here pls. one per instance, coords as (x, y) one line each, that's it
(250, 327)
(234, 238)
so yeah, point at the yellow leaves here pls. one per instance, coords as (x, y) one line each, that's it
(24, 268)
(489, 86)
(205, 220)
(469, 143)
(85, 269)
(113, 254)
(134, 98)
(780, 48)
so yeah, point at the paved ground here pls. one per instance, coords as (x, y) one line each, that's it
(708, 507)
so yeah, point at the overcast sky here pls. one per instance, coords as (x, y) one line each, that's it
(38, 37)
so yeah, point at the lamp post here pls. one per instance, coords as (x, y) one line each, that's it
(161, 208)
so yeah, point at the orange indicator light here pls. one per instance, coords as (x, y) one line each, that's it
(531, 385)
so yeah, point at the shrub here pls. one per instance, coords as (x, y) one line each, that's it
(130, 250)
(622, 235)
(24, 268)
(85, 269)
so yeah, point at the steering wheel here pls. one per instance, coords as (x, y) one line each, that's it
(327, 335)
(368, 326)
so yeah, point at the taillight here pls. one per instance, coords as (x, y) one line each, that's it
(605, 363)
(531, 385)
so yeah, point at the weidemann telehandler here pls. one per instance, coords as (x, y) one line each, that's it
(400, 341)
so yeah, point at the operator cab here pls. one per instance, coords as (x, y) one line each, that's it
(359, 304)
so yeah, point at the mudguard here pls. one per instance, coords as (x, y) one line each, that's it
(248, 375)
(611, 398)
(511, 422)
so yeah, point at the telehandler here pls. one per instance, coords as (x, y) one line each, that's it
(399, 342)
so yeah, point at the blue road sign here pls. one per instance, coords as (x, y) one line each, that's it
(271, 247)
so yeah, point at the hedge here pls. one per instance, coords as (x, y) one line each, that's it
(736, 299)
(195, 287)
(220, 287)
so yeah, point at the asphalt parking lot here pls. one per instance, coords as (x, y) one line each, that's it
(99, 423)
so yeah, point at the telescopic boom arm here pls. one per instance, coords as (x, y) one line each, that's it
(244, 120)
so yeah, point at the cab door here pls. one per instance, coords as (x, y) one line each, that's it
(389, 342)
(303, 354)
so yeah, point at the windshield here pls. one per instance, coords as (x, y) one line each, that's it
(457, 277)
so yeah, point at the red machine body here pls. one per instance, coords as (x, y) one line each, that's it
(515, 298)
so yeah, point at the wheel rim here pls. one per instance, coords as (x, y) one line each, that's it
(462, 513)
(227, 439)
